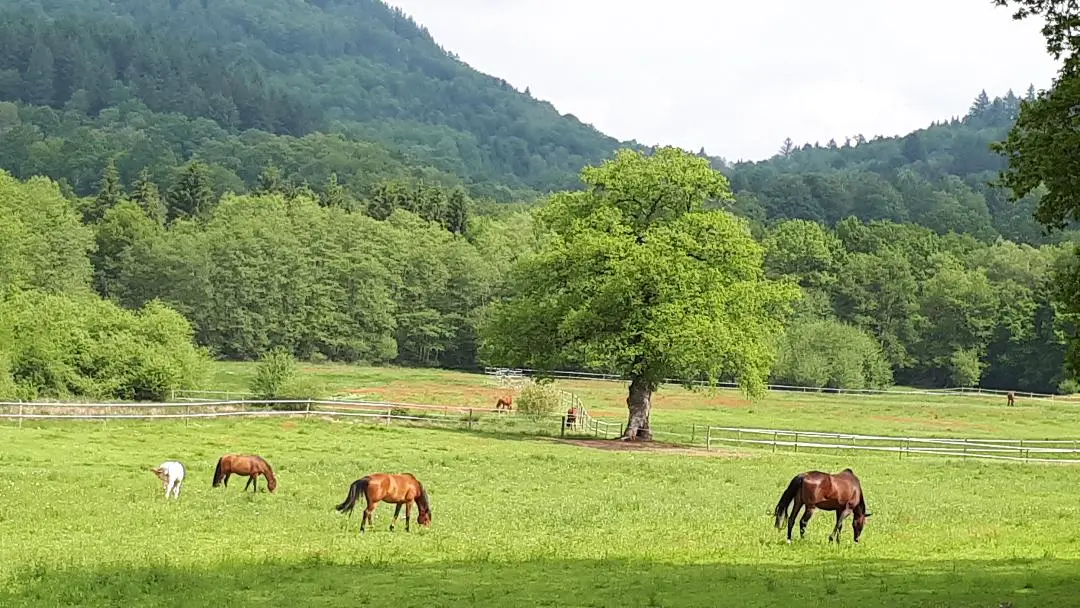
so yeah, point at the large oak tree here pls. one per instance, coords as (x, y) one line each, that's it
(637, 277)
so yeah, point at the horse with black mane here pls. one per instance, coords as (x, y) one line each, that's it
(840, 492)
(399, 489)
(246, 465)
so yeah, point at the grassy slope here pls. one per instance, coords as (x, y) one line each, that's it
(676, 409)
(516, 522)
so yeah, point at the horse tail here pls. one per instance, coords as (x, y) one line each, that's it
(218, 473)
(789, 495)
(358, 486)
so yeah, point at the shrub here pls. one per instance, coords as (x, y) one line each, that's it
(1069, 386)
(275, 373)
(539, 399)
(66, 345)
(830, 354)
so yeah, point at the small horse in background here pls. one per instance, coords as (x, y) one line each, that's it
(571, 418)
(840, 492)
(1011, 398)
(171, 474)
(251, 466)
(504, 403)
(399, 489)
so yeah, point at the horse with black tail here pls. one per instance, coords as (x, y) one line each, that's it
(398, 489)
(244, 465)
(840, 492)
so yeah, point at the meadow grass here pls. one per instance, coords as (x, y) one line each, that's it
(517, 522)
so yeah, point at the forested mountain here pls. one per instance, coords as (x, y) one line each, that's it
(244, 82)
(939, 177)
(320, 176)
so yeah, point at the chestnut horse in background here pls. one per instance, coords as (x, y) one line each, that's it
(399, 489)
(251, 466)
(505, 403)
(840, 492)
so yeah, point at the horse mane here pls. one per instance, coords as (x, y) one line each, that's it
(423, 498)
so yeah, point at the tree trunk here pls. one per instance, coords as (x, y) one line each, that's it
(639, 402)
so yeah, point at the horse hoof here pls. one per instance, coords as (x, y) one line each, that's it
(788, 541)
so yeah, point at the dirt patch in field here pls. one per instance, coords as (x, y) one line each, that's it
(611, 445)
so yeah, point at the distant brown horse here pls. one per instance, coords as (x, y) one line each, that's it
(1011, 396)
(571, 417)
(840, 492)
(399, 489)
(251, 466)
(505, 403)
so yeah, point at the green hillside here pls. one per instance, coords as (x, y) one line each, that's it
(243, 83)
(938, 177)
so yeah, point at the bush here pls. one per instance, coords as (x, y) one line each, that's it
(275, 373)
(57, 346)
(1069, 386)
(830, 354)
(539, 399)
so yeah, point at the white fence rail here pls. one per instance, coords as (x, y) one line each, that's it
(1025, 450)
(941, 392)
(1063, 451)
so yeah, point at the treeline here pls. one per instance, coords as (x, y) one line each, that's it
(354, 67)
(941, 177)
(939, 310)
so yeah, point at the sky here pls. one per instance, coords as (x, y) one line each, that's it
(737, 78)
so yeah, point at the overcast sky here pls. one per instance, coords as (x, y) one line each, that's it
(739, 77)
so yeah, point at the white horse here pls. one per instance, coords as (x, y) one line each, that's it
(171, 474)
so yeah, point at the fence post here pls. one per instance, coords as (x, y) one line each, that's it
(693, 432)
(307, 410)
(796, 443)
(470, 419)
(708, 437)
(775, 438)
(562, 427)
(20, 414)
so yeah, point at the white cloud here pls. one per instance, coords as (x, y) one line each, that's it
(737, 78)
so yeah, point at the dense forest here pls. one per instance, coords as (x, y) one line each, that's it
(942, 177)
(243, 82)
(322, 177)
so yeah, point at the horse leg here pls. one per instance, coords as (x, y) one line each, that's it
(250, 479)
(807, 514)
(397, 511)
(791, 520)
(408, 514)
(840, 515)
(367, 516)
(226, 481)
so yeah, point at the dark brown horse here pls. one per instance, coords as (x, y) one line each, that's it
(840, 492)
(399, 489)
(1011, 398)
(251, 466)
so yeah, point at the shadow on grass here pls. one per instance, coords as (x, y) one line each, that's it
(314, 581)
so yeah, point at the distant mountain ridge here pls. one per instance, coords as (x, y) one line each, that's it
(357, 67)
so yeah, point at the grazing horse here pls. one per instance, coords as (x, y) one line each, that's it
(171, 474)
(840, 492)
(399, 489)
(504, 403)
(251, 466)
(1011, 398)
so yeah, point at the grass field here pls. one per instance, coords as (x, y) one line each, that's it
(676, 409)
(516, 522)
(522, 521)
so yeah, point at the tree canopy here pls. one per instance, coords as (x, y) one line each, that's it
(638, 278)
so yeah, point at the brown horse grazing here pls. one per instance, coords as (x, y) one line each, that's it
(504, 403)
(400, 489)
(1011, 398)
(251, 466)
(840, 492)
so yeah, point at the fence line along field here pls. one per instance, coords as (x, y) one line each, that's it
(527, 520)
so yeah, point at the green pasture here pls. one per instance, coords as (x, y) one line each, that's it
(676, 409)
(517, 522)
